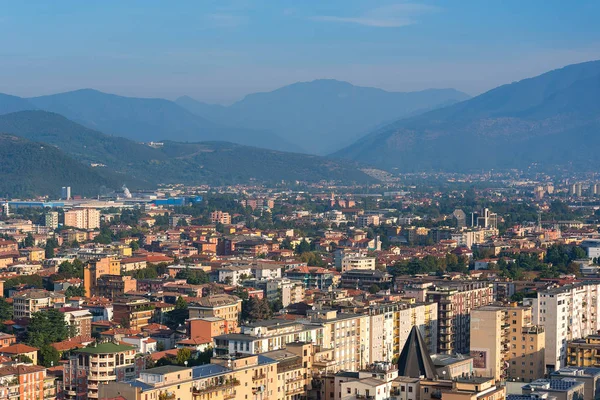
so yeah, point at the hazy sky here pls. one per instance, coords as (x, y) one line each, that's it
(218, 51)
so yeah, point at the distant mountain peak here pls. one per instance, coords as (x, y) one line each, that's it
(534, 120)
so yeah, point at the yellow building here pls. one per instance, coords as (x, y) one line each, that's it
(249, 377)
(489, 341)
(294, 365)
(97, 268)
(527, 346)
(584, 352)
(344, 343)
(168, 382)
(222, 306)
(33, 254)
(505, 343)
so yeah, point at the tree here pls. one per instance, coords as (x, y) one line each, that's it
(51, 244)
(178, 316)
(573, 269)
(302, 247)
(74, 291)
(255, 309)
(182, 222)
(183, 355)
(135, 245)
(46, 327)
(374, 289)
(276, 306)
(577, 253)
(71, 269)
(6, 310)
(29, 240)
(24, 359)
(49, 356)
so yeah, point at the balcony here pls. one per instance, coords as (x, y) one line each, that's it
(230, 384)
(298, 390)
(298, 378)
(258, 377)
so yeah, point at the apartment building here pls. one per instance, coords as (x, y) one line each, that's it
(312, 277)
(250, 377)
(567, 313)
(166, 382)
(133, 312)
(206, 328)
(527, 345)
(490, 341)
(559, 389)
(294, 367)
(589, 376)
(505, 343)
(455, 303)
(24, 381)
(358, 262)
(375, 381)
(113, 286)
(390, 324)
(92, 367)
(79, 320)
(83, 218)
(345, 342)
(584, 352)
(95, 269)
(220, 217)
(222, 306)
(51, 219)
(31, 301)
(267, 335)
(423, 316)
(365, 279)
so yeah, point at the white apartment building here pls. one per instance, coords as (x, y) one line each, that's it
(358, 262)
(568, 312)
(231, 274)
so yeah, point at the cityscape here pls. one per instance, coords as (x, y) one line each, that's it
(300, 201)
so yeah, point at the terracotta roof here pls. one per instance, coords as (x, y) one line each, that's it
(121, 331)
(20, 369)
(18, 348)
(160, 354)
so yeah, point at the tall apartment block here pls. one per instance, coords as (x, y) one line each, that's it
(83, 218)
(567, 313)
(505, 343)
(455, 303)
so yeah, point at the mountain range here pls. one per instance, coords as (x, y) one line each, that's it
(313, 117)
(30, 168)
(552, 119)
(73, 148)
(323, 115)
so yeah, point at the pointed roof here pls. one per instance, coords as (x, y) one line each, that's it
(415, 360)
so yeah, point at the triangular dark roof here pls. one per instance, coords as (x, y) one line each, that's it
(415, 360)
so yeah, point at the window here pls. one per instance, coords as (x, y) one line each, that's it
(410, 389)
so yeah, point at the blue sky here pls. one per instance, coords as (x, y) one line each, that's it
(218, 51)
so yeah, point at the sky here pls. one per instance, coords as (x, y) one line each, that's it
(219, 51)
